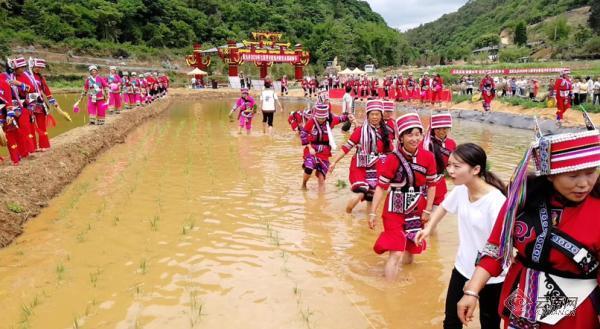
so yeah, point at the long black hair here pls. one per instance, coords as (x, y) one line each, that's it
(473, 155)
(436, 148)
(385, 136)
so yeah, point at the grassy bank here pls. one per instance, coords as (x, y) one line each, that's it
(526, 103)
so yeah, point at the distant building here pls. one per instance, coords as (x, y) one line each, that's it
(492, 52)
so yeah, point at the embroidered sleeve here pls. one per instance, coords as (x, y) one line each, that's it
(46, 88)
(387, 171)
(352, 141)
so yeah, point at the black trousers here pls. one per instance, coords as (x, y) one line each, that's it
(489, 298)
(267, 117)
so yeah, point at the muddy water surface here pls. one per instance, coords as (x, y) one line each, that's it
(188, 225)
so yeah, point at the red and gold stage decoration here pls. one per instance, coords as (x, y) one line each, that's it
(264, 50)
(197, 60)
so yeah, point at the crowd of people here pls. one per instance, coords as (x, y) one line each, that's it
(423, 89)
(562, 93)
(585, 90)
(26, 101)
(547, 216)
(426, 89)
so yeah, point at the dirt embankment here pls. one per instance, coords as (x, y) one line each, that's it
(27, 188)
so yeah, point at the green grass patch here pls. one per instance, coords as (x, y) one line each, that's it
(15, 207)
(524, 102)
(460, 98)
(589, 108)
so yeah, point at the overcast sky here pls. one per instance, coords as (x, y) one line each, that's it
(406, 14)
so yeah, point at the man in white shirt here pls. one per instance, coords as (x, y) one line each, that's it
(347, 107)
(596, 100)
(268, 99)
(590, 89)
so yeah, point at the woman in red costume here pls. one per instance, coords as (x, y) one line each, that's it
(409, 173)
(372, 142)
(551, 219)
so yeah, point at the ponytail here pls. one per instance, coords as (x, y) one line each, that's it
(492, 179)
(436, 148)
(385, 135)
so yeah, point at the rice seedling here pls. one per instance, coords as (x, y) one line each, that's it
(143, 268)
(154, 223)
(27, 312)
(306, 314)
(60, 272)
(195, 308)
(341, 184)
(94, 278)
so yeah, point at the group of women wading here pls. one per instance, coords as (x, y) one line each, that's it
(528, 253)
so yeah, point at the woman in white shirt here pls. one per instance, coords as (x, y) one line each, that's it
(268, 98)
(476, 200)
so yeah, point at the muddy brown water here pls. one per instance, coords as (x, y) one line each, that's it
(188, 225)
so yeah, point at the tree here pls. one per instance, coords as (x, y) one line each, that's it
(108, 18)
(592, 46)
(508, 55)
(582, 34)
(487, 40)
(54, 28)
(594, 19)
(520, 38)
(557, 29)
(4, 46)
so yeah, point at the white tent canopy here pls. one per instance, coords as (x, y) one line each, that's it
(358, 71)
(346, 71)
(196, 71)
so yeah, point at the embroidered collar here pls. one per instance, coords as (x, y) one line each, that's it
(410, 156)
(439, 139)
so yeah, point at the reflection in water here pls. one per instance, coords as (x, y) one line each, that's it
(188, 225)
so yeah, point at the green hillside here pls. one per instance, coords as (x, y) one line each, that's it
(479, 23)
(126, 28)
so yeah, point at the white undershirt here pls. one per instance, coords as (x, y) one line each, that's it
(475, 223)
(347, 103)
(268, 98)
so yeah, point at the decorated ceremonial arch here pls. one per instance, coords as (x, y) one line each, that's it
(264, 50)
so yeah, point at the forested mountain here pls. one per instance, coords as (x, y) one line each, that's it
(348, 29)
(479, 23)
